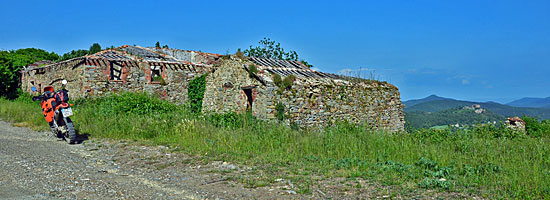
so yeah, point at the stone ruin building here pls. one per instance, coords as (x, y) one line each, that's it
(515, 123)
(233, 84)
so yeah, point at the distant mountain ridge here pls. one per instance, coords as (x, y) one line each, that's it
(434, 103)
(432, 97)
(532, 102)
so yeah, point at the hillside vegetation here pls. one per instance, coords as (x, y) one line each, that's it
(483, 161)
(421, 119)
(504, 110)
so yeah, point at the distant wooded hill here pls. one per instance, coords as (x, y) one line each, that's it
(531, 102)
(421, 119)
(434, 111)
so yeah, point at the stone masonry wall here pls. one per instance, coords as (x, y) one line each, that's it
(322, 101)
(93, 79)
(310, 102)
(224, 91)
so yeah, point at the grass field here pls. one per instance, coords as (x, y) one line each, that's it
(486, 161)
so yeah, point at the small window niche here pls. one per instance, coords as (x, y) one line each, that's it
(156, 74)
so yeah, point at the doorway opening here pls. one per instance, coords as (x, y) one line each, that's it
(248, 92)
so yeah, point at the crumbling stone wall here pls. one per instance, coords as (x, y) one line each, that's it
(93, 78)
(42, 77)
(230, 88)
(310, 102)
(324, 101)
(226, 91)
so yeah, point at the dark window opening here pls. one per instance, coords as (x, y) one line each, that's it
(248, 92)
(116, 71)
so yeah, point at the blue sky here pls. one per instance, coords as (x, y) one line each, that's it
(472, 50)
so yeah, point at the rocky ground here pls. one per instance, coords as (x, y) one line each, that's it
(34, 165)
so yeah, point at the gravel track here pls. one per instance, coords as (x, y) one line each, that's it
(35, 165)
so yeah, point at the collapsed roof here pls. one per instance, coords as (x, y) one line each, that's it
(163, 56)
(288, 67)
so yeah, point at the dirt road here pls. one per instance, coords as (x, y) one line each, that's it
(34, 165)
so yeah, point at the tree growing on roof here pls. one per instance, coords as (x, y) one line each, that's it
(270, 49)
(95, 48)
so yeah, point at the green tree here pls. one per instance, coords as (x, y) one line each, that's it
(157, 45)
(73, 54)
(11, 62)
(270, 49)
(95, 48)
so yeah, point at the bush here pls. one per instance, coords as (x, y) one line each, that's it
(195, 93)
(252, 70)
(429, 183)
(536, 128)
(288, 81)
(240, 54)
(277, 80)
(280, 108)
(285, 83)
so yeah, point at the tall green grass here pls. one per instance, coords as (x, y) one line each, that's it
(489, 161)
(24, 112)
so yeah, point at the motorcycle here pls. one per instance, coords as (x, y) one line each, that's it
(57, 111)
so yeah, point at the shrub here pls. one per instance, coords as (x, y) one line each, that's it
(280, 108)
(536, 128)
(252, 70)
(195, 93)
(429, 183)
(285, 83)
(288, 81)
(240, 54)
(277, 80)
(426, 163)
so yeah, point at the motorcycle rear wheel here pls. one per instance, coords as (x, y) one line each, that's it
(70, 135)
